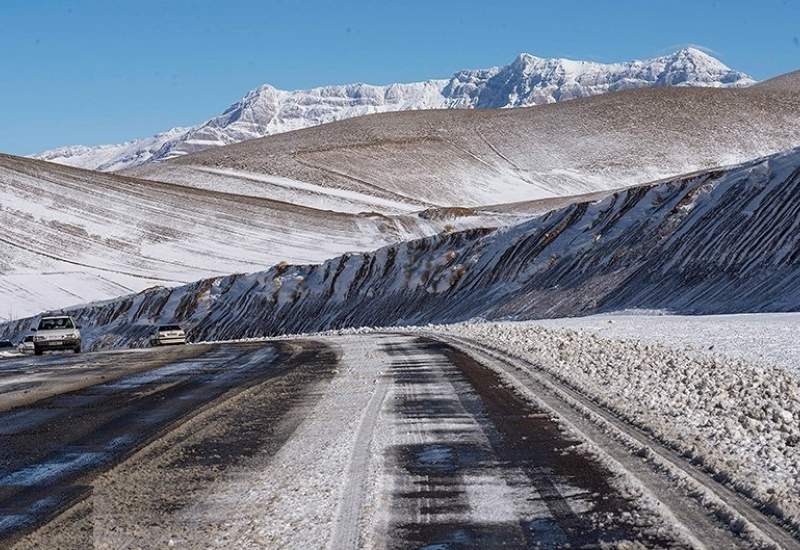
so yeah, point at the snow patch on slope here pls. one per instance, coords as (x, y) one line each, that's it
(72, 236)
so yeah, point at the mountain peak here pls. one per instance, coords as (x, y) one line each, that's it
(692, 51)
(697, 57)
(525, 57)
(691, 66)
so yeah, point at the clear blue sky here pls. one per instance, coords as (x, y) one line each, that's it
(106, 71)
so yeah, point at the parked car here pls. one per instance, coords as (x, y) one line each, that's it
(56, 333)
(26, 346)
(165, 335)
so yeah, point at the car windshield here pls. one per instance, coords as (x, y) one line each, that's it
(28, 339)
(164, 328)
(56, 323)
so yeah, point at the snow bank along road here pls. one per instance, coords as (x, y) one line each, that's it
(382, 440)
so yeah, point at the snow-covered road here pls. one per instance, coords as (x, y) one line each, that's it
(345, 441)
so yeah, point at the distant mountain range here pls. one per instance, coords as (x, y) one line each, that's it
(527, 81)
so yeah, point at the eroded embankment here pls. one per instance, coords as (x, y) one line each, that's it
(720, 241)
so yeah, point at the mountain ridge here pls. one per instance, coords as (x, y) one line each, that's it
(529, 80)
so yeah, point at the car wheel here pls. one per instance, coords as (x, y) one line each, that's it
(77, 350)
(37, 351)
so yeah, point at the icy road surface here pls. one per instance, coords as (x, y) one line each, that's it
(361, 441)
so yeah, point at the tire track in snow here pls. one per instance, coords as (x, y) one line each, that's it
(346, 530)
(474, 465)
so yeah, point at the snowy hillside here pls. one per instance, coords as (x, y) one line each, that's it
(529, 80)
(487, 156)
(72, 236)
(720, 241)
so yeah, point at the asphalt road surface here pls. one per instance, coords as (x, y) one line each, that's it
(374, 441)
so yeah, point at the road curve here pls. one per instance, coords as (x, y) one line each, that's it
(367, 441)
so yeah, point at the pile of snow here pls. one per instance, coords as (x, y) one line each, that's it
(529, 80)
(740, 420)
(761, 338)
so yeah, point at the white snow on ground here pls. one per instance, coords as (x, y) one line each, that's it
(764, 338)
(297, 192)
(333, 483)
(33, 292)
(739, 419)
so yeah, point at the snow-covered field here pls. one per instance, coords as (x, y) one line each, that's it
(762, 338)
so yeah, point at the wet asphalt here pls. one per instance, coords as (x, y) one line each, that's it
(51, 449)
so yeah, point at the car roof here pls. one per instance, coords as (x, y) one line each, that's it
(56, 317)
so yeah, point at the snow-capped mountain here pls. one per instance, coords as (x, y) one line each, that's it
(479, 157)
(527, 81)
(108, 158)
(532, 80)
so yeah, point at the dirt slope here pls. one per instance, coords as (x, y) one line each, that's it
(489, 156)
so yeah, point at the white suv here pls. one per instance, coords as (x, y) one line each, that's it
(56, 333)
